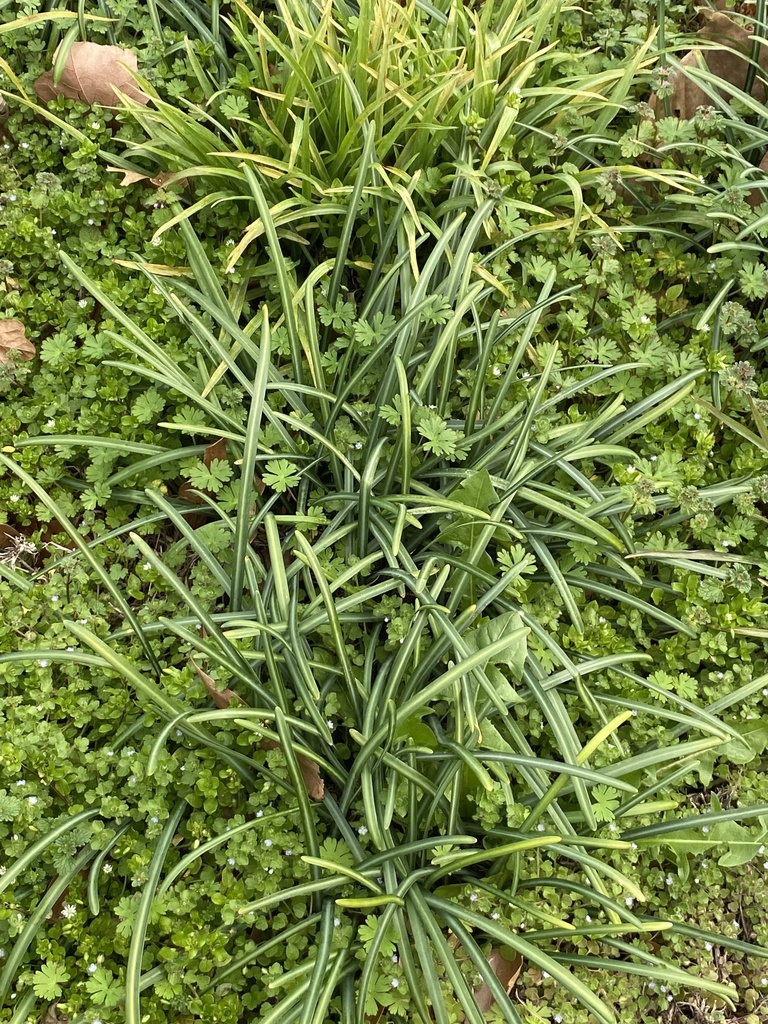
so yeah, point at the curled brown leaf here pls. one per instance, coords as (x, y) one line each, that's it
(221, 698)
(507, 971)
(94, 73)
(14, 343)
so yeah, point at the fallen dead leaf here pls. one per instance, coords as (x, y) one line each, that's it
(215, 450)
(221, 698)
(53, 1016)
(507, 971)
(94, 73)
(310, 771)
(728, 60)
(160, 180)
(13, 339)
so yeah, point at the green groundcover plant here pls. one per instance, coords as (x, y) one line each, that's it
(465, 595)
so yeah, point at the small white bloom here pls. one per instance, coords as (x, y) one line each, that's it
(55, 598)
(337, 922)
(708, 946)
(32, 799)
(231, 861)
(259, 814)
(629, 901)
(395, 983)
(495, 916)
(43, 663)
(91, 221)
(154, 819)
(588, 919)
(601, 619)
(82, 303)
(230, 270)
(473, 897)
(761, 849)
(2, 953)
(544, 974)
(179, 732)
(631, 469)
(130, 751)
(540, 827)
(50, 424)
(95, 124)
(146, 566)
(15, 497)
(21, 782)
(106, 868)
(329, 723)
(720, 675)
(132, 778)
(697, 415)
(395, 958)
(645, 319)
(669, 880)
(12, 198)
(633, 846)
(288, 853)
(654, 458)
(359, 445)
(92, 968)
(705, 828)
(267, 843)
(362, 831)
(68, 910)
(497, 371)
(70, 649)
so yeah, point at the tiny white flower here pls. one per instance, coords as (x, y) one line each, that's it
(132, 778)
(705, 828)
(395, 958)
(68, 910)
(101, 203)
(329, 723)
(267, 843)
(654, 458)
(2, 953)
(540, 827)
(337, 922)
(154, 819)
(359, 445)
(645, 319)
(92, 968)
(230, 270)
(708, 946)
(107, 868)
(32, 799)
(670, 998)
(497, 371)
(21, 782)
(395, 982)
(230, 241)
(43, 663)
(259, 814)
(130, 751)
(544, 974)
(612, 827)
(764, 981)
(288, 853)
(473, 897)
(362, 831)
(231, 861)
(720, 675)
(179, 732)
(696, 881)
(629, 901)
(669, 880)
(95, 124)
(601, 619)
(697, 415)
(55, 598)
(761, 849)
(15, 497)
(588, 919)
(631, 469)
(146, 566)
(91, 221)
(663, 988)
(82, 303)
(495, 916)
(633, 846)
(12, 198)
(70, 649)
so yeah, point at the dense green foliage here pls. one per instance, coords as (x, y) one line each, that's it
(486, 542)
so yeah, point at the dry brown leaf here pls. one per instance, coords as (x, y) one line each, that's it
(507, 971)
(310, 771)
(221, 698)
(9, 536)
(215, 450)
(92, 73)
(14, 343)
(716, 27)
(160, 180)
(53, 1016)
